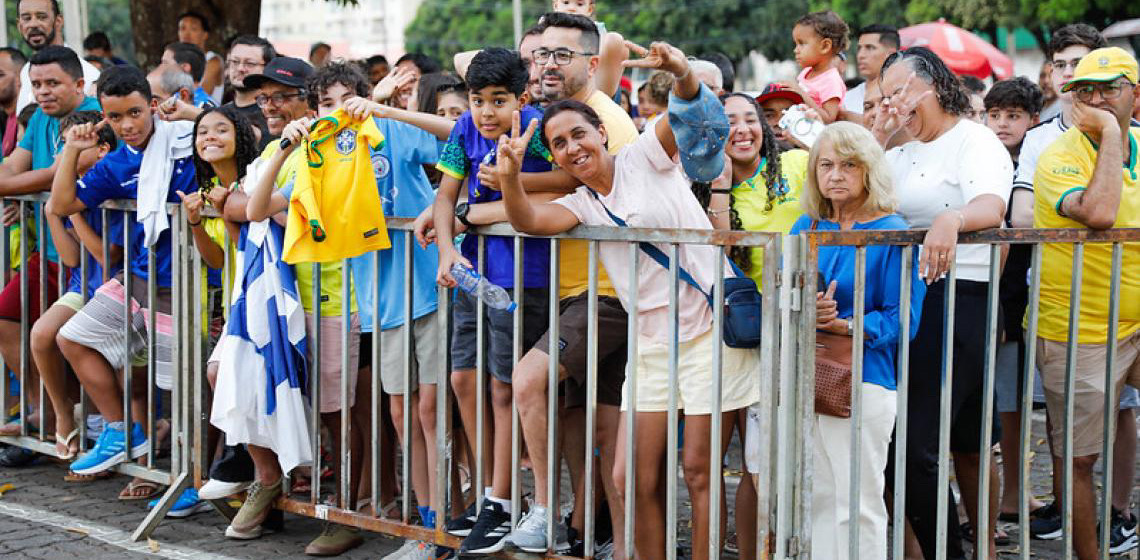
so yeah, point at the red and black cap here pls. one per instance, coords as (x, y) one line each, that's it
(285, 70)
(773, 90)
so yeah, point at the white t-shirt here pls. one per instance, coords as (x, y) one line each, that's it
(967, 161)
(90, 74)
(1036, 140)
(216, 95)
(853, 102)
(649, 191)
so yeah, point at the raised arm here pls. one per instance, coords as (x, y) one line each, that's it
(608, 76)
(1096, 205)
(663, 56)
(360, 108)
(264, 201)
(64, 200)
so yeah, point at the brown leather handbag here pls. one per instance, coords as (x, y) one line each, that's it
(832, 373)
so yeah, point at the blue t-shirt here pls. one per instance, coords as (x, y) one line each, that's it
(43, 140)
(465, 151)
(202, 99)
(113, 229)
(881, 308)
(405, 191)
(116, 176)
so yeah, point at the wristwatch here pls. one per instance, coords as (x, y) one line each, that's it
(461, 211)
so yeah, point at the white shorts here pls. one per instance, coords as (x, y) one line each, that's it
(740, 378)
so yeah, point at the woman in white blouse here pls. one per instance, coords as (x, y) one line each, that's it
(954, 176)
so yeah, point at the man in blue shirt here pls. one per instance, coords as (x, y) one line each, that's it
(93, 340)
(57, 83)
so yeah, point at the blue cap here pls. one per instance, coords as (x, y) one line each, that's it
(701, 131)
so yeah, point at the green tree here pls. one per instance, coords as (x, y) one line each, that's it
(442, 28)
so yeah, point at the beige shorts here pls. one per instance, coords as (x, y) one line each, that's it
(1089, 383)
(332, 340)
(739, 383)
(429, 343)
(71, 300)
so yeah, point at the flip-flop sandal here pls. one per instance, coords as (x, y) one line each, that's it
(73, 476)
(13, 428)
(64, 443)
(129, 494)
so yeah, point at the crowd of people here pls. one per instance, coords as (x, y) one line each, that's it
(547, 137)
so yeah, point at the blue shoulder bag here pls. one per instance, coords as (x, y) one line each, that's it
(742, 301)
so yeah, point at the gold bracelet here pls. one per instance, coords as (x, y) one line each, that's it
(716, 212)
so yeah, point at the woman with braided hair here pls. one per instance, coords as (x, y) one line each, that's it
(765, 184)
(758, 191)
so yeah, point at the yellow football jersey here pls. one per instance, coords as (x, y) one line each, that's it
(335, 210)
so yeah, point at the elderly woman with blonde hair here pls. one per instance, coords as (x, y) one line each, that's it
(849, 187)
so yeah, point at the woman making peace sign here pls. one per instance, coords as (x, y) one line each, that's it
(643, 187)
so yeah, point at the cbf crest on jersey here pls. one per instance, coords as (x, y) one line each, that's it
(346, 142)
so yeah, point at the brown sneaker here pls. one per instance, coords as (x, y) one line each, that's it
(334, 540)
(258, 504)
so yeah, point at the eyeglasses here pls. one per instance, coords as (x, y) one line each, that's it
(277, 98)
(1108, 92)
(562, 57)
(1061, 65)
(235, 63)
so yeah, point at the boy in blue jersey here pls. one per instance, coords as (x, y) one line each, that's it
(57, 83)
(93, 340)
(82, 232)
(497, 80)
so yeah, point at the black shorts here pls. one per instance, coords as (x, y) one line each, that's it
(573, 340)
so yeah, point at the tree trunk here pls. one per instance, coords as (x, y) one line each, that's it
(154, 25)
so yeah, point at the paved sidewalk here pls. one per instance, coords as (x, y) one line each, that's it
(44, 518)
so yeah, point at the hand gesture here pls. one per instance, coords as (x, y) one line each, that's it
(217, 196)
(360, 108)
(513, 149)
(296, 132)
(1094, 122)
(193, 204)
(938, 248)
(175, 109)
(659, 56)
(83, 136)
(393, 82)
(894, 109)
(826, 308)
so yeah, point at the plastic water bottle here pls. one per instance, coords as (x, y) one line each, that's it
(492, 295)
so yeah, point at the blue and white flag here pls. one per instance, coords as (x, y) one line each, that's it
(260, 397)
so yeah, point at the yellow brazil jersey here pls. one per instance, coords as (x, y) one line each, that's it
(759, 213)
(1064, 168)
(331, 277)
(574, 256)
(335, 210)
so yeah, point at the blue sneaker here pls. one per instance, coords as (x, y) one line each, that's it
(110, 450)
(187, 504)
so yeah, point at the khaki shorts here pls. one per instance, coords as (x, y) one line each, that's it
(332, 339)
(739, 382)
(427, 359)
(1089, 382)
(71, 300)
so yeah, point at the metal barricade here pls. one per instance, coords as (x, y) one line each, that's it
(785, 410)
(806, 251)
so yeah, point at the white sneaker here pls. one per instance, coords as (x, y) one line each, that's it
(404, 551)
(217, 490)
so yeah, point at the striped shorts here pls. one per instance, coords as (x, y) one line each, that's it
(102, 325)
